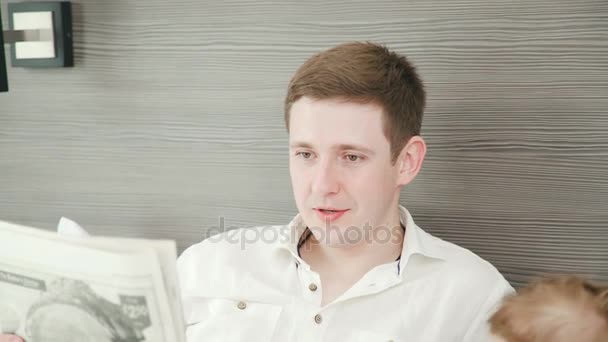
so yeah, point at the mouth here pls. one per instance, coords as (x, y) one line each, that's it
(330, 214)
(329, 209)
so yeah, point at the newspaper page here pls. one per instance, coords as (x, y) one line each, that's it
(56, 288)
(165, 249)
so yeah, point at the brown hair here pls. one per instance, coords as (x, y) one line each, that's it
(365, 72)
(555, 309)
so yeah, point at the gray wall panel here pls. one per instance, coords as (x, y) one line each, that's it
(172, 117)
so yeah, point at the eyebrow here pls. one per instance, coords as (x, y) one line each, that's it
(361, 148)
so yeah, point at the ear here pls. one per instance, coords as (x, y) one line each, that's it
(410, 160)
(603, 296)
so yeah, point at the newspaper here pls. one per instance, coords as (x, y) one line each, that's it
(69, 288)
(67, 227)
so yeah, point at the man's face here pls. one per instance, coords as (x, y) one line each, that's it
(340, 159)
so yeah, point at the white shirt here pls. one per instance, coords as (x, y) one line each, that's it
(250, 285)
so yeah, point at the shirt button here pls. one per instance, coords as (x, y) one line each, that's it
(241, 305)
(318, 319)
(312, 287)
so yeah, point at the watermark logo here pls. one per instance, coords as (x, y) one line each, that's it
(331, 235)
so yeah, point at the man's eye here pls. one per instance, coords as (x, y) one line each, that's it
(353, 157)
(304, 155)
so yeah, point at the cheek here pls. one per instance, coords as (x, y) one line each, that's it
(372, 180)
(361, 188)
(299, 182)
(373, 189)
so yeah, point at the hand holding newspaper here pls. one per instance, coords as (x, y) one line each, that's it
(75, 288)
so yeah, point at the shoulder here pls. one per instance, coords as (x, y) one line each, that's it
(470, 287)
(228, 255)
(235, 243)
(465, 269)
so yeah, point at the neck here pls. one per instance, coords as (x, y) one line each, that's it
(379, 247)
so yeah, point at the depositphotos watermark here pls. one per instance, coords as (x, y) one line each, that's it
(329, 234)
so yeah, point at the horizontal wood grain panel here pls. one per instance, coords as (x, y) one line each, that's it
(171, 120)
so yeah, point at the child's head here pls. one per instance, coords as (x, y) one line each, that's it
(556, 309)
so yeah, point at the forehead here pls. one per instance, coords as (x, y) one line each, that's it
(336, 121)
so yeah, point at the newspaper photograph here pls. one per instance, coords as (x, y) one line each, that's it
(55, 288)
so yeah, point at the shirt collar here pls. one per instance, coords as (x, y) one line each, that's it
(296, 229)
(416, 240)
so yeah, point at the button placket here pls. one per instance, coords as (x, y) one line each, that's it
(310, 286)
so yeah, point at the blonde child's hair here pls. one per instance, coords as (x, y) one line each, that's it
(554, 309)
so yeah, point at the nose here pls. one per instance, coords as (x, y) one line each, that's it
(326, 180)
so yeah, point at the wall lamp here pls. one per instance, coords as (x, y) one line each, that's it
(40, 36)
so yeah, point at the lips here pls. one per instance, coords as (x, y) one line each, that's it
(329, 209)
(329, 214)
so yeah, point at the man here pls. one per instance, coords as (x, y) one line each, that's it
(556, 309)
(352, 265)
(356, 267)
